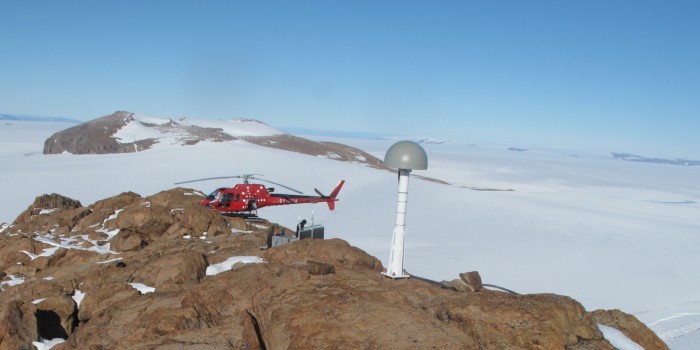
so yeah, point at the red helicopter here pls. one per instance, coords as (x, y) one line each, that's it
(248, 198)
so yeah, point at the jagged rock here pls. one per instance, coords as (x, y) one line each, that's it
(319, 268)
(120, 201)
(17, 325)
(309, 294)
(631, 327)
(472, 279)
(51, 213)
(55, 201)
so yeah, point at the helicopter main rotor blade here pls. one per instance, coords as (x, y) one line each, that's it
(209, 178)
(278, 184)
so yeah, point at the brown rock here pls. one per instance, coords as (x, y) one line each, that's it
(173, 271)
(120, 201)
(41, 220)
(472, 279)
(17, 325)
(21, 270)
(319, 268)
(100, 297)
(458, 285)
(631, 327)
(502, 320)
(127, 240)
(55, 201)
(333, 251)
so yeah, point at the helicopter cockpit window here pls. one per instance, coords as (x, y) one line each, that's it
(213, 195)
(227, 197)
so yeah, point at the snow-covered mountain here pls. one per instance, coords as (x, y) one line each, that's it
(611, 234)
(126, 132)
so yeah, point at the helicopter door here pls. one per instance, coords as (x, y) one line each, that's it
(225, 200)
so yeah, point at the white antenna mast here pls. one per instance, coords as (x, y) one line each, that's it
(404, 156)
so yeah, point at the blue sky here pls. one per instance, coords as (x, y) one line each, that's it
(608, 75)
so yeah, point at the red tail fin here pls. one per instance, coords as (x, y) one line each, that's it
(331, 198)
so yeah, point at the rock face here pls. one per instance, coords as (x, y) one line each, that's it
(84, 273)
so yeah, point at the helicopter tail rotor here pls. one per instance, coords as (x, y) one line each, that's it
(331, 199)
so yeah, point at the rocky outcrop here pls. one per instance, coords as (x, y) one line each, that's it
(134, 272)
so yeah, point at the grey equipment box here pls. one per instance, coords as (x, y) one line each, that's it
(278, 240)
(313, 231)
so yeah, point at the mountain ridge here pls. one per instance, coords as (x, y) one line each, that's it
(4, 116)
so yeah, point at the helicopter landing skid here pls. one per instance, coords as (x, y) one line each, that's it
(247, 216)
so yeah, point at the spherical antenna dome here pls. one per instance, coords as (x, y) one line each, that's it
(406, 155)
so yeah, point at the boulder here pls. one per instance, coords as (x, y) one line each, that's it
(472, 279)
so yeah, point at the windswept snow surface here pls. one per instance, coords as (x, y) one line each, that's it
(135, 131)
(46, 344)
(236, 127)
(609, 233)
(140, 129)
(142, 288)
(618, 339)
(227, 264)
(78, 297)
